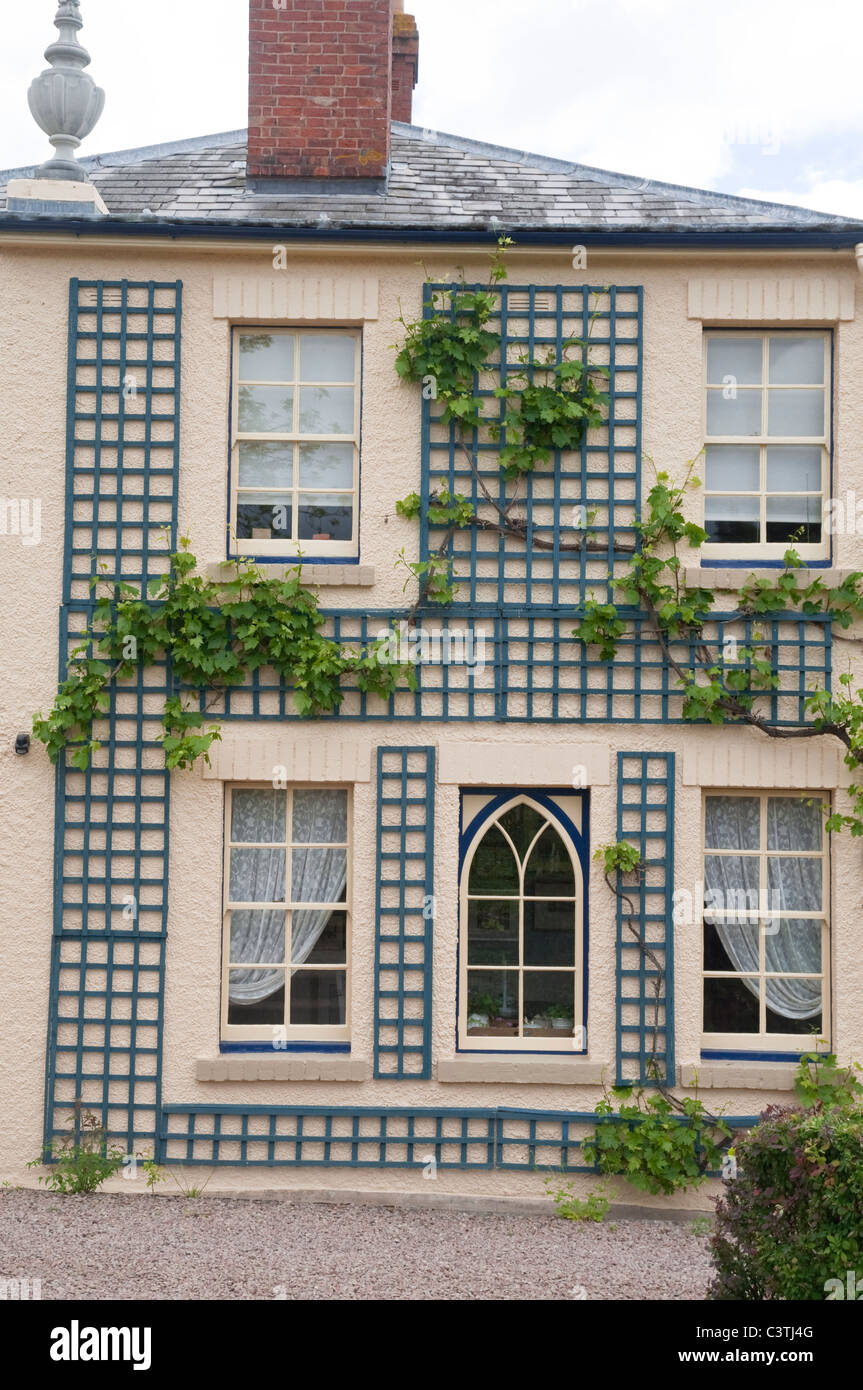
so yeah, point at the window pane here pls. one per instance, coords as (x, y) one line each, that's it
(323, 517)
(732, 467)
(795, 412)
(266, 357)
(248, 1006)
(265, 465)
(794, 824)
(258, 937)
(318, 997)
(732, 520)
(793, 469)
(328, 357)
(257, 876)
(549, 933)
(792, 945)
(266, 410)
(549, 872)
(549, 1003)
(492, 1003)
(740, 358)
(318, 875)
(738, 415)
(732, 822)
(794, 518)
(779, 1022)
(258, 816)
(326, 410)
(715, 955)
(319, 938)
(731, 884)
(493, 869)
(492, 933)
(264, 516)
(731, 1006)
(326, 465)
(320, 817)
(796, 361)
(522, 824)
(795, 884)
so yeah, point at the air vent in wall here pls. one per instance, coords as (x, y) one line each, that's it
(111, 298)
(520, 303)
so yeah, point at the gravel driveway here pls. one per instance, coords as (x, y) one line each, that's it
(107, 1246)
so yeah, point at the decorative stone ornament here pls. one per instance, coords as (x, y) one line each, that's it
(64, 100)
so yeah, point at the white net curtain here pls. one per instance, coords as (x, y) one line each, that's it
(794, 884)
(318, 875)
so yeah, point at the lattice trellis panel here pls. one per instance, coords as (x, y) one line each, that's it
(554, 501)
(528, 669)
(111, 823)
(379, 1137)
(404, 913)
(645, 956)
(122, 430)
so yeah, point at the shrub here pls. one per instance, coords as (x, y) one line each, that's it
(81, 1162)
(791, 1218)
(594, 1207)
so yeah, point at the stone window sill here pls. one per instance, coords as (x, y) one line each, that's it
(281, 1068)
(737, 1076)
(731, 580)
(530, 1071)
(324, 576)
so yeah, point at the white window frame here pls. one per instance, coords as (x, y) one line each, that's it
(764, 1041)
(762, 550)
(475, 1043)
(235, 1032)
(291, 549)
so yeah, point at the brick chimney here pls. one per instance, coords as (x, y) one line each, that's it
(321, 92)
(406, 42)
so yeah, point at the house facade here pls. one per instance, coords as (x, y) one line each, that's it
(374, 949)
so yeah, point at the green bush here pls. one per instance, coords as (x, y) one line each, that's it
(790, 1221)
(82, 1161)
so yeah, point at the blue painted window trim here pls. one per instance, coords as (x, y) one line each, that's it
(295, 560)
(581, 842)
(288, 1047)
(808, 564)
(711, 1056)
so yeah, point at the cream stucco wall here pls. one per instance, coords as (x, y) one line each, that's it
(33, 326)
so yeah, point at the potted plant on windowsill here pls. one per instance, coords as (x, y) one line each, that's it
(560, 1017)
(319, 514)
(481, 1010)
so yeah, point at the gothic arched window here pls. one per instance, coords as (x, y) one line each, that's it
(521, 925)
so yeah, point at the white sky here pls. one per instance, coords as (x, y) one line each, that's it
(762, 97)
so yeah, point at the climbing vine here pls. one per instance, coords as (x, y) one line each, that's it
(724, 684)
(214, 634)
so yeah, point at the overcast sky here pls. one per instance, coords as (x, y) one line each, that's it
(761, 97)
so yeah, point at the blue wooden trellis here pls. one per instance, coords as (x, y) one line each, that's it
(404, 913)
(111, 822)
(645, 924)
(317, 1136)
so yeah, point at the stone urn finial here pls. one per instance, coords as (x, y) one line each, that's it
(64, 100)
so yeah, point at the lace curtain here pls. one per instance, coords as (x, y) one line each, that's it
(258, 875)
(793, 885)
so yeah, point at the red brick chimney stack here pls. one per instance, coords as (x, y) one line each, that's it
(326, 77)
(406, 41)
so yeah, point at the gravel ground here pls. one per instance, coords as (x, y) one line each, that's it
(106, 1246)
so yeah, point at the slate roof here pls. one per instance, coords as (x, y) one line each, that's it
(437, 182)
